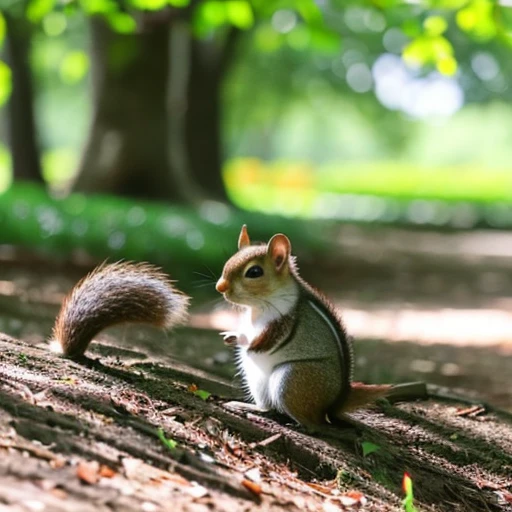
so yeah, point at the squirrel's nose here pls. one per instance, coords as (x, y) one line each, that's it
(222, 285)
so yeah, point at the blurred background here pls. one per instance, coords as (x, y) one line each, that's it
(376, 134)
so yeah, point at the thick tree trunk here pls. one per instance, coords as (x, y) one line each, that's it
(203, 140)
(127, 149)
(21, 126)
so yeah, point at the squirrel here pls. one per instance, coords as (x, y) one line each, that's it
(292, 348)
(112, 294)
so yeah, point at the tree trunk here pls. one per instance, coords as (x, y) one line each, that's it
(21, 126)
(203, 140)
(127, 149)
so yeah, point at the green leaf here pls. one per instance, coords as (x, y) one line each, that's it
(435, 50)
(435, 25)
(369, 448)
(202, 394)
(208, 16)
(38, 9)
(54, 23)
(477, 19)
(179, 3)
(169, 443)
(5, 82)
(299, 38)
(239, 14)
(99, 6)
(324, 40)
(447, 65)
(309, 11)
(408, 501)
(411, 27)
(149, 5)
(448, 4)
(2, 29)
(122, 22)
(267, 39)
(74, 67)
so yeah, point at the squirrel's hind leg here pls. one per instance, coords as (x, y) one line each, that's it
(303, 391)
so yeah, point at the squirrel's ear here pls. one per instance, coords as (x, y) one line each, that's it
(279, 249)
(243, 238)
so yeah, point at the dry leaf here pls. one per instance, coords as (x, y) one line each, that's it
(106, 472)
(352, 498)
(88, 472)
(252, 486)
(320, 488)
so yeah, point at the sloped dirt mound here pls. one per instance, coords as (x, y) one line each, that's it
(104, 435)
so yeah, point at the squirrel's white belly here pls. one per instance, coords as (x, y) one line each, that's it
(257, 369)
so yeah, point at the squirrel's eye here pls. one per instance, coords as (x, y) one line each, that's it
(254, 271)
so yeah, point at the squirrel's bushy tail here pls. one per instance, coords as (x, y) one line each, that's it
(112, 294)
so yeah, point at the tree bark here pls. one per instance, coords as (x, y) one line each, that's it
(21, 125)
(127, 149)
(203, 138)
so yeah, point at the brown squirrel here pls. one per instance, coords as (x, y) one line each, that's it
(112, 294)
(293, 350)
(292, 347)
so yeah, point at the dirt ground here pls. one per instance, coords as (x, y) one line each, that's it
(130, 429)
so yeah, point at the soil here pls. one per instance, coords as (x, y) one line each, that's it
(129, 428)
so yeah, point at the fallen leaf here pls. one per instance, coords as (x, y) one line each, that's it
(169, 443)
(369, 447)
(252, 486)
(88, 472)
(202, 394)
(352, 498)
(320, 488)
(106, 472)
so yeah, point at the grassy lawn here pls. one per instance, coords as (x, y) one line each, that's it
(299, 189)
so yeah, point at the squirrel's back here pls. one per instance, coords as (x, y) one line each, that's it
(117, 293)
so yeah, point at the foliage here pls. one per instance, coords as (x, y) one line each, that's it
(169, 443)
(369, 448)
(408, 501)
(175, 237)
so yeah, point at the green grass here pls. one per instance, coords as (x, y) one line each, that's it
(303, 190)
